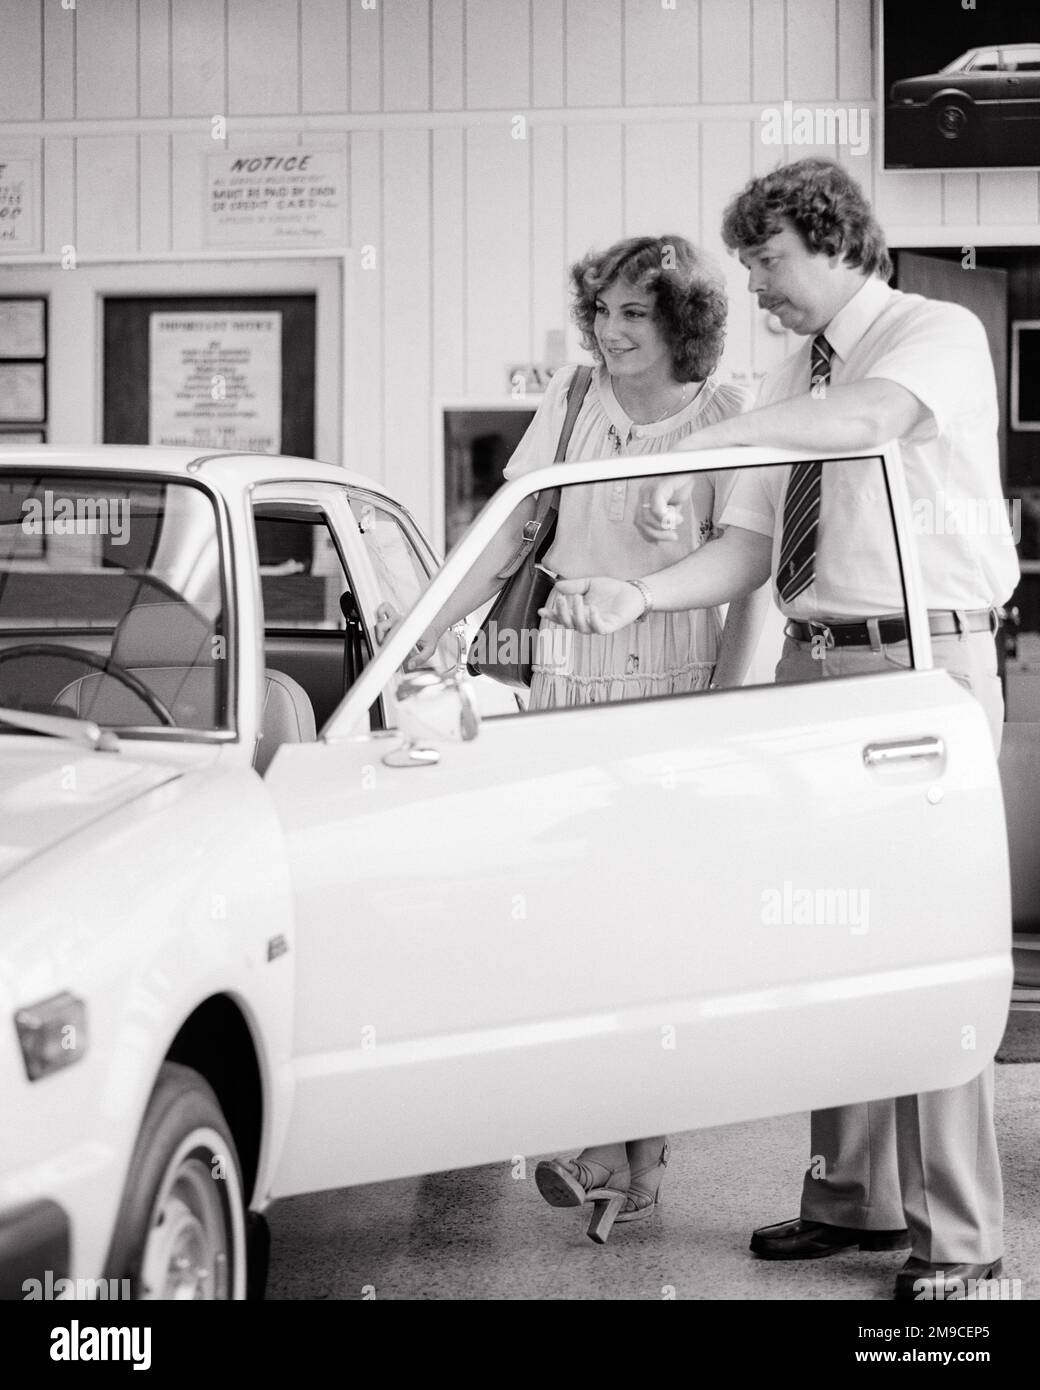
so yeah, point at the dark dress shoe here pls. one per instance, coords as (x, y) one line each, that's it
(811, 1240)
(944, 1283)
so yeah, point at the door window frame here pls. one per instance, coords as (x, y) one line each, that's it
(350, 717)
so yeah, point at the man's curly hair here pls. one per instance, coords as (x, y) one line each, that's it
(824, 204)
(689, 297)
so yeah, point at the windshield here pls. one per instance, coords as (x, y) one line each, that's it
(112, 604)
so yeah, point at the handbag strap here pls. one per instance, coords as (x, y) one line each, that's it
(549, 499)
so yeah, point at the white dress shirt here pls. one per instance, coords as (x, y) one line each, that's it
(939, 352)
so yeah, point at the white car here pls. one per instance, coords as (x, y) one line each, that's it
(240, 960)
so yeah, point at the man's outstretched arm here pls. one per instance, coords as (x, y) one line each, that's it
(723, 570)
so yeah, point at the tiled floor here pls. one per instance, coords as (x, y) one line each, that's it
(481, 1234)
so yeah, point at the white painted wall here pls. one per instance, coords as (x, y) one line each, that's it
(640, 117)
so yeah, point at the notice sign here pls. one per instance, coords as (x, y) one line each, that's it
(17, 205)
(287, 198)
(215, 381)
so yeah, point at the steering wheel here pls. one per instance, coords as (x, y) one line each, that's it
(100, 663)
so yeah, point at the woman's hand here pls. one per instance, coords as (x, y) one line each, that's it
(658, 514)
(423, 652)
(594, 605)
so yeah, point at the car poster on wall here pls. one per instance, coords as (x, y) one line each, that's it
(215, 381)
(960, 86)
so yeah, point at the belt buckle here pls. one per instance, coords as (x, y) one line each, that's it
(818, 629)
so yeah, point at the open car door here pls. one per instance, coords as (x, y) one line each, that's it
(636, 917)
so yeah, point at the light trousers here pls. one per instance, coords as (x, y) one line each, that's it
(928, 1162)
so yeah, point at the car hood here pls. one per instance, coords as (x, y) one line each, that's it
(50, 789)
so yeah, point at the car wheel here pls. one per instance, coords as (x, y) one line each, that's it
(181, 1229)
(954, 118)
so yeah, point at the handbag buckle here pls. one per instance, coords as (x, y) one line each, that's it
(531, 529)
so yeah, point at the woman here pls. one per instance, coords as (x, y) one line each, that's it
(652, 312)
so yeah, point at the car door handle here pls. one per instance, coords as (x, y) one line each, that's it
(902, 750)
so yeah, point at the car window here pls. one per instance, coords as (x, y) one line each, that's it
(987, 61)
(112, 602)
(400, 570)
(301, 575)
(1023, 59)
(679, 654)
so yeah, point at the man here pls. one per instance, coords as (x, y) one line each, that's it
(922, 1171)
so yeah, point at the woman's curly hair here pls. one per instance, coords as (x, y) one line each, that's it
(689, 297)
(825, 205)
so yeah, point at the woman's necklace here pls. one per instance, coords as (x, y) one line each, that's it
(668, 410)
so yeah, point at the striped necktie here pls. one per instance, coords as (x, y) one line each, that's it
(797, 567)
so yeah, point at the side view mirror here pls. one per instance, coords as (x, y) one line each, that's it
(432, 707)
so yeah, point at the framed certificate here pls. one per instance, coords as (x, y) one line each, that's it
(23, 328)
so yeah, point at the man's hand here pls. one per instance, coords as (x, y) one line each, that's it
(658, 514)
(594, 605)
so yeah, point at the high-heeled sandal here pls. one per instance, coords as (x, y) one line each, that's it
(575, 1183)
(644, 1197)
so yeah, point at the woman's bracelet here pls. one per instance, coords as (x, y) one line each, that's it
(648, 601)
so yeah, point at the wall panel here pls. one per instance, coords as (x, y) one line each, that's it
(1010, 197)
(199, 57)
(662, 53)
(662, 179)
(154, 192)
(594, 182)
(592, 31)
(263, 57)
(21, 84)
(106, 59)
(725, 50)
(106, 222)
(407, 351)
(59, 185)
(498, 259)
(498, 55)
(406, 55)
(910, 198)
(855, 51)
(448, 50)
(725, 167)
(549, 283)
(187, 172)
(59, 70)
(768, 51)
(811, 49)
(449, 263)
(325, 55)
(366, 58)
(153, 57)
(363, 337)
(960, 198)
(547, 54)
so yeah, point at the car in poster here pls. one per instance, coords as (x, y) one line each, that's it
(984, 88)
(280, 914)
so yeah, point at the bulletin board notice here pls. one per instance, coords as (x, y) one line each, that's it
(19, 191)
(215, 381)
(276, 198)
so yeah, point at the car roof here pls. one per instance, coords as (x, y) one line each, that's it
(234, 466)
(1003, 47)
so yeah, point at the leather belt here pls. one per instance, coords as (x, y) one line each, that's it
(893, 629)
